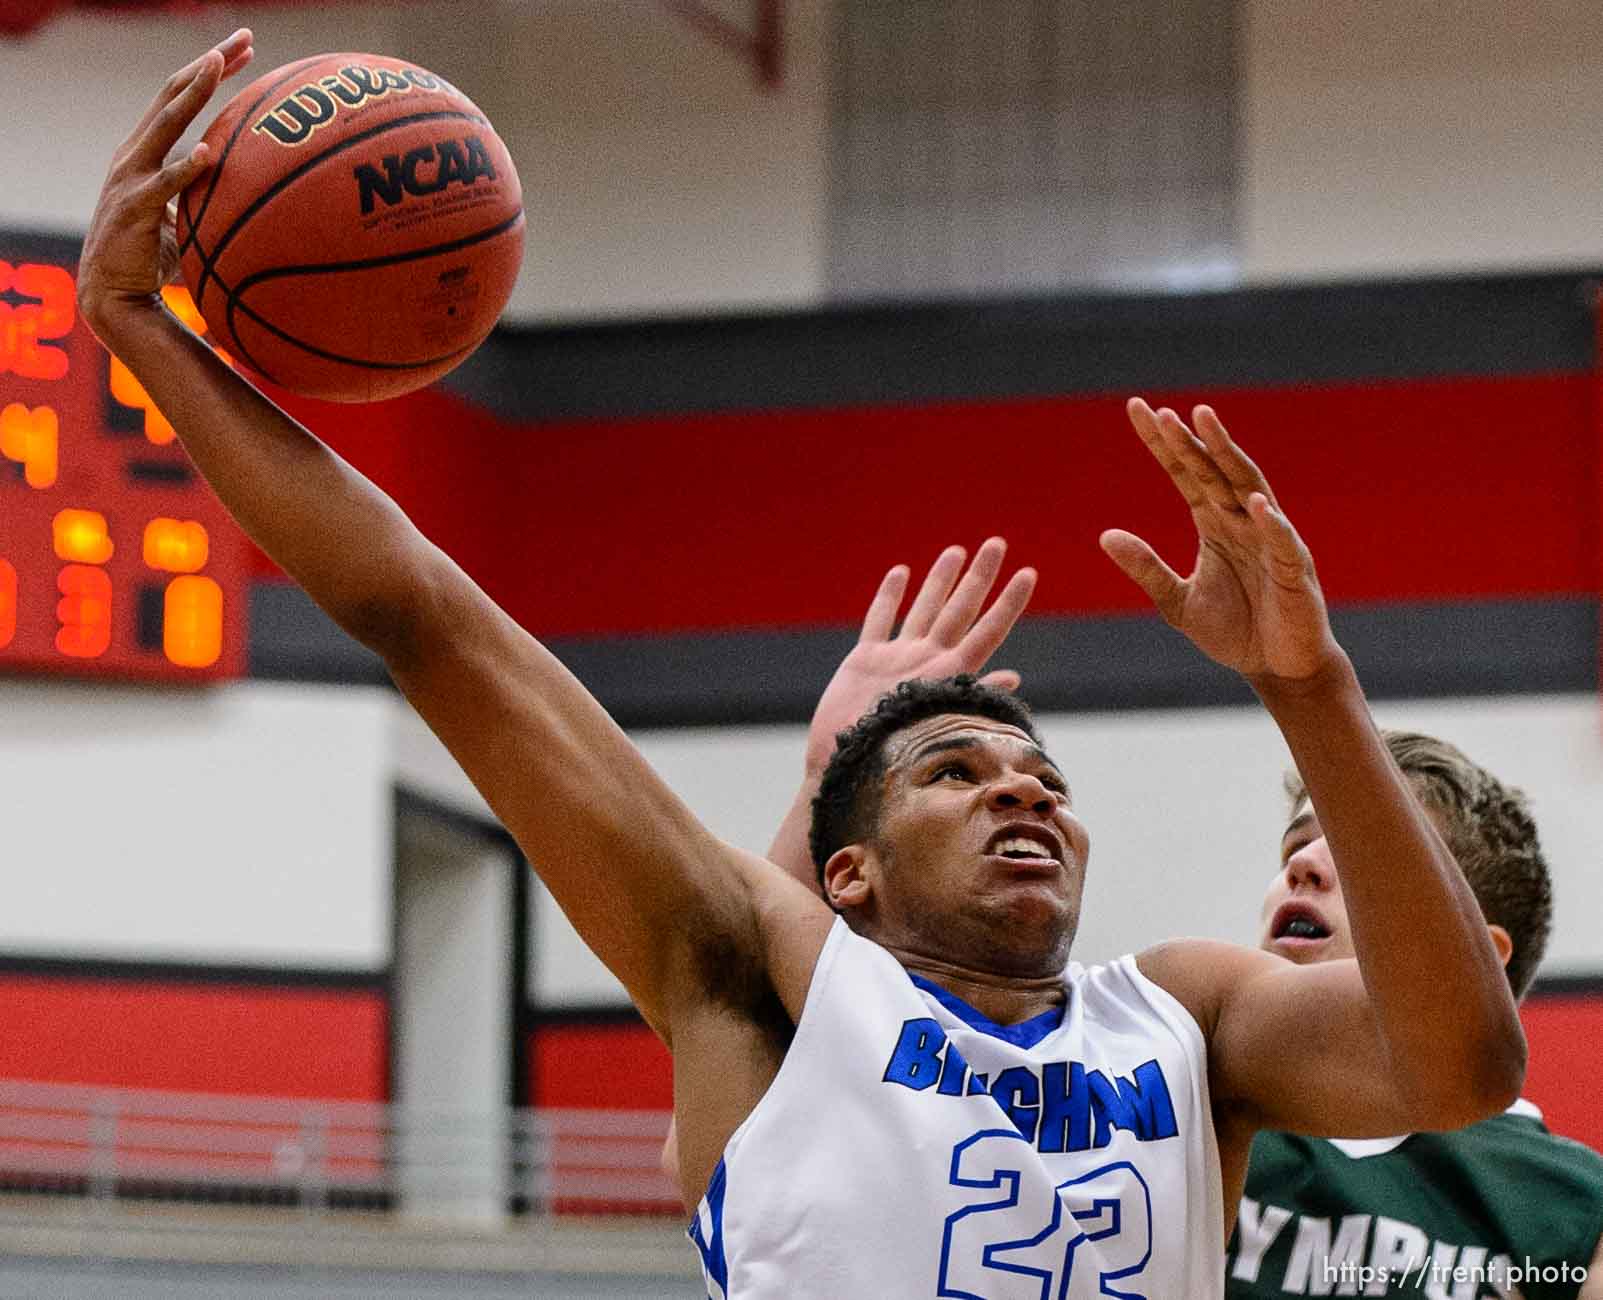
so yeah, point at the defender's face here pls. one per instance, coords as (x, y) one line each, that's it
(1304, 917)
(978, 848)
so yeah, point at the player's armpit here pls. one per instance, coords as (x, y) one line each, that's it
(1298, 1047)
(646, 885)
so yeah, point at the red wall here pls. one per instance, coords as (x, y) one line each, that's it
(600, 1066)
(333, 1044)
(626, 1065)
(1563, 1031)
(1405, 490)
(245, 1039)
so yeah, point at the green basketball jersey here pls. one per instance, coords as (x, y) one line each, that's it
(1434, 1216)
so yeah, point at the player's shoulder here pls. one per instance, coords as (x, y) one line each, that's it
(1514, 1157)
(1521, 1133)
(1200, 974)
(793, 925)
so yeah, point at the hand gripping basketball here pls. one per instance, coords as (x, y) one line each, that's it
(359, 230)
(125, 262)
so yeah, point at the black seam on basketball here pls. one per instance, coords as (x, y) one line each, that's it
(389, 259)
(289, 178)
(238, 344)
(234, 305)
(292, 71)
(235, 302)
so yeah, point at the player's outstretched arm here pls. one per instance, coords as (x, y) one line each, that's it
(948, 630)
(1423, 1032)
(630, 865)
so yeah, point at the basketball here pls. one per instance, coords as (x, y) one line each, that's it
(359, 232)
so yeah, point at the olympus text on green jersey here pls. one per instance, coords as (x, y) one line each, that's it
(1502, 1207)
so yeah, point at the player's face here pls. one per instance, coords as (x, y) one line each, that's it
(978, 853)
(1304, 917)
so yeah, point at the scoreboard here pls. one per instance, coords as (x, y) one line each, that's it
(116, 560)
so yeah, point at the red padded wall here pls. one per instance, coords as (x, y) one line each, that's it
(244, 1039)
(601, 1065)
(625, 1065)
(1439, 489)
(1563, 1032)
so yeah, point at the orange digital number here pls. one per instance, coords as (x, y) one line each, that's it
(84, 611)
(8, 603)
(178, 546)
(192, 622)
(30, 438)
(81, 536)
(130, 392)
(25, 330)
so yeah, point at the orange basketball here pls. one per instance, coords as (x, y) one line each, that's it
(360, 230)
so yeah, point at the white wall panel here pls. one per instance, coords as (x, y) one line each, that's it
(70, 92)
(252, 823)
(1388, 138)
(1376, 139)
(659, 176)
(243, 824)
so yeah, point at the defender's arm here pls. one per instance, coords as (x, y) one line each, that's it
(1429, 1033)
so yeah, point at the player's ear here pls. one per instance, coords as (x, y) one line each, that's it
(1502, 942)
(846, 885)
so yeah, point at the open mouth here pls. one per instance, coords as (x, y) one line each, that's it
(1298, 922)
(1024, 843)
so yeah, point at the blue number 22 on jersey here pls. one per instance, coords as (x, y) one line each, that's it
(1092, 1235)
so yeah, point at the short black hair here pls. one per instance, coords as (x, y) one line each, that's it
(846, 809)
(1489, 829)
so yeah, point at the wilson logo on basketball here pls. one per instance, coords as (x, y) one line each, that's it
(423, 171)
(295, 117)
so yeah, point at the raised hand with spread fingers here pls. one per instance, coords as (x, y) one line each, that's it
(1415, 1035)
(948, 630)
(944, 633)
(1251, 601)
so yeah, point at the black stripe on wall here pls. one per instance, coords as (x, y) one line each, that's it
(1402, 651)
(1567, 986)
(125, 971)
(609, 1013)
(911, 353)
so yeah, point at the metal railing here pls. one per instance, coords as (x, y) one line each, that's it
(326, 1156)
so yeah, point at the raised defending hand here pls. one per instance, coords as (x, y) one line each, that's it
(1252, 601)
(130, 251)
(944, 633)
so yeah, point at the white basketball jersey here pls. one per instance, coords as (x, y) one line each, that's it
(909, 1147)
